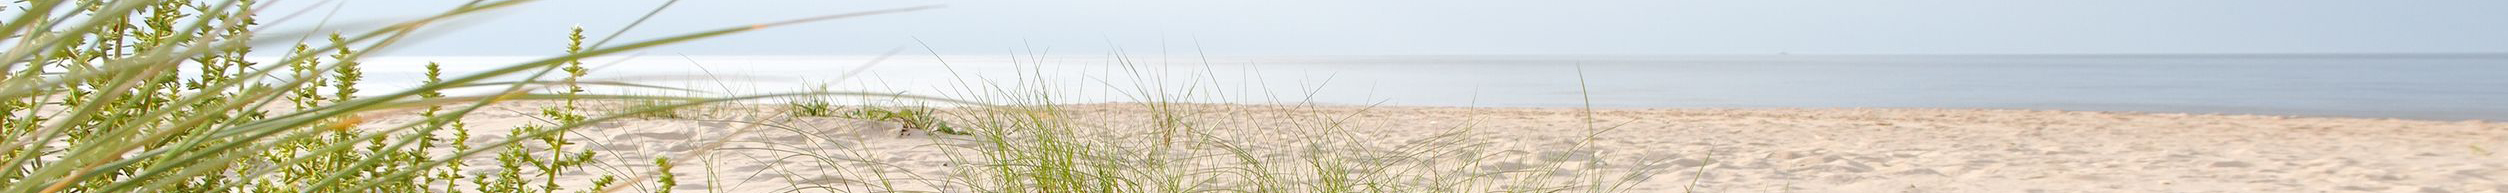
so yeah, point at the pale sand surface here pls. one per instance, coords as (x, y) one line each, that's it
(1754, 150)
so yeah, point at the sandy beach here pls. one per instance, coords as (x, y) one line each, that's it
(1656, 150)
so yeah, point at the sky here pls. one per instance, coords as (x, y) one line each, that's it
(1465, 27)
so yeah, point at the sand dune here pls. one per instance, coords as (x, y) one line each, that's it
(1723, 150)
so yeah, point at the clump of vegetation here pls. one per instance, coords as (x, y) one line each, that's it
(1024, 141)
(662, 111)
(157, 96)
(913, 118)
(517, 158)
(96, 96)
(811, 108)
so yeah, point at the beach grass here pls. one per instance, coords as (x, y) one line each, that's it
(98, 101)
(1181, 142)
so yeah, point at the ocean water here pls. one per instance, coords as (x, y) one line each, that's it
(2429, 86)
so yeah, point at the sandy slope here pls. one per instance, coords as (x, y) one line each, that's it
(1753, 150)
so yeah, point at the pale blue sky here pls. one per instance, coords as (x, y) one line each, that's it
(1556, 27)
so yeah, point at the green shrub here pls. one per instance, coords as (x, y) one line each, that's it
(102, 103)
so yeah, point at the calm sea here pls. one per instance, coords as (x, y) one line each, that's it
(2431, 86)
